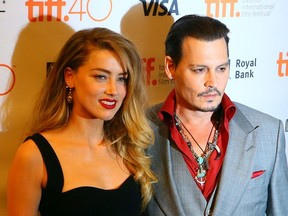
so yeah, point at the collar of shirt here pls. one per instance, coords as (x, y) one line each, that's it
(166, 114)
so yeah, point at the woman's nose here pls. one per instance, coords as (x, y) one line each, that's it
(111, 88)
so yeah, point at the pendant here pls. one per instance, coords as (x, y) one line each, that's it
(202, 163)
(216, 147)
(201, 181)
(201, 174)
(200, 160)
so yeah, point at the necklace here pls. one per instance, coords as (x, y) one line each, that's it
(202, 160)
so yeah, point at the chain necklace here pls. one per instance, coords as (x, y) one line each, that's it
(202, 160)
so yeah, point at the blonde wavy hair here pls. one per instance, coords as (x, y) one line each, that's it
(129, 129)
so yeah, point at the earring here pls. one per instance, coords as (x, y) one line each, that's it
(69, 96)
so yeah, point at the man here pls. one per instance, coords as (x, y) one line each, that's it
(212, 156)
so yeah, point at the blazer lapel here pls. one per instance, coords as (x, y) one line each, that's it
(165, 190)
(236, 169)
(176, 192)
(193, 203)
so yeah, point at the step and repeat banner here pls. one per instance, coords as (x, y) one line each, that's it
(33, 31)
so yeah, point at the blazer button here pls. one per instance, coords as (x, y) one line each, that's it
(209, 212)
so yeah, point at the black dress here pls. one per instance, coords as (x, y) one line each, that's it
(83, 201)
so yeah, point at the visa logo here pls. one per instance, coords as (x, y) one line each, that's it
(160, 7)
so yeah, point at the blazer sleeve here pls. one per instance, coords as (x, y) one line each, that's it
(278, 186)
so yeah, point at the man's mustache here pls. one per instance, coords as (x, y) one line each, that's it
(210, 90)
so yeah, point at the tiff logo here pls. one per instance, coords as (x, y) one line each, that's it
(149, 67)
(281, 63)
(221, 5)
(40, 5)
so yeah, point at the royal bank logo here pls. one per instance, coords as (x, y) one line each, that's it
(97, 11)
(245, 68)
(160, 7)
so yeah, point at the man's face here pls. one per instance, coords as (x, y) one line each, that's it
(201, 75)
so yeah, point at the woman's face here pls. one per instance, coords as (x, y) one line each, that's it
(99, 85)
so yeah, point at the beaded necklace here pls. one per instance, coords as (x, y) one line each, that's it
(202, 160)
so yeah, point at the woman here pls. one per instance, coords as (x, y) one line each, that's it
(86, 152)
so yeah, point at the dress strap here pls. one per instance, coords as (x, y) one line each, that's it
(55, 179)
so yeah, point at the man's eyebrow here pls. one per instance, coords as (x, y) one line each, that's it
(225, 64)
(203, 65)
(197, 65)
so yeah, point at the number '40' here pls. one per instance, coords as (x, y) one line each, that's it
(91, 8)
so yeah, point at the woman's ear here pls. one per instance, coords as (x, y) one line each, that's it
(169, 67)
(69, 77)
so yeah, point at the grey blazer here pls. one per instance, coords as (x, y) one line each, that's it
(256, 142)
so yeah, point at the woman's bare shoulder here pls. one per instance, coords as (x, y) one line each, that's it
(28, 155)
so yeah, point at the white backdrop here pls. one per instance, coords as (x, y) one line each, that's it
(33, 31)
